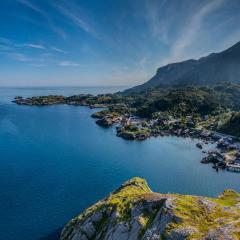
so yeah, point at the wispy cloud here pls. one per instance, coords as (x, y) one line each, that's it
(5, 41)
(32, 45)
(191, 31)
(42, 58)
(45, 15)
(38, 65)
(29, 60)
(75, 18)
(159, 25)
(33, 7)
(68, 64)
(20, 57)
(4, 48)
(58, 50)
(7, 44)
(13, 45)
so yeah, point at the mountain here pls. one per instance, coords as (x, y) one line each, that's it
(134, 212)
(210, 70)
(232, 125)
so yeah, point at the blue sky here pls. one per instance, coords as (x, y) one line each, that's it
(108, 42)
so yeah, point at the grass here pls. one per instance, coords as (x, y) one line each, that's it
(194, 213)
(137, 132)
(105, 113)
(123, 199)
(191, 211)
(147, 219)
(229, 198)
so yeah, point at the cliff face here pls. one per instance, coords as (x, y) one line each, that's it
(209, 70)
(134, 212)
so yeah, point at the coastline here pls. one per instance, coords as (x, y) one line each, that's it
(226, 154)
(156, 163)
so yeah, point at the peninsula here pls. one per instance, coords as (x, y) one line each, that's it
(204, 113)
(134, 212)
(186, 99)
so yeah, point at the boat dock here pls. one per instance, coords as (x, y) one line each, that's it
(233, 167)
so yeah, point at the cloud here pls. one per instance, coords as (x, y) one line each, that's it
(38, 65)
(6, 45)
(45, 15)
(159, 25)
(75, 18)
(4, 48)
(32, 6)
(5, 41)
(31, 45)
(39, 60)
(190, 31)
(16, 52)
(9, 44)
(58, 50)
(68, 64)
(20, 57)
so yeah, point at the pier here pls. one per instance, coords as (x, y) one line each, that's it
(233, 167)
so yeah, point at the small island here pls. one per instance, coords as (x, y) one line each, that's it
(134, 212)
(209, 114)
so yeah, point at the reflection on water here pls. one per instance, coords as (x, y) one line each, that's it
(55, 161)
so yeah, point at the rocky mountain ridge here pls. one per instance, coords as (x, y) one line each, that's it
(212, 69)
(134, 212)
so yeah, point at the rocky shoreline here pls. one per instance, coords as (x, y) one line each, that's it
(226, 155)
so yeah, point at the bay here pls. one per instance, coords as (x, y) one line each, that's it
(55, 161)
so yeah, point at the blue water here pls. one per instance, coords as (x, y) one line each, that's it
(55, 161)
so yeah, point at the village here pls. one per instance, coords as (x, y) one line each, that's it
(225, 153)
(226, 149)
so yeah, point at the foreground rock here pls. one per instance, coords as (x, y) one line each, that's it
(134, 212)
(104, 122)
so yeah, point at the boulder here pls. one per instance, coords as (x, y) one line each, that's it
(134, 212)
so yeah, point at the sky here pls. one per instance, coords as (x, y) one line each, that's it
(108, 42)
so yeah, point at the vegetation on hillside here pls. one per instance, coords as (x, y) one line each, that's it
(212, 102)
(186, 100)
(134, 212)
(232, 125)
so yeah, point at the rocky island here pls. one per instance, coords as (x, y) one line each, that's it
(134, 212)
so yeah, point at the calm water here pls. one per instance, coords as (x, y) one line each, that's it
(55, 161)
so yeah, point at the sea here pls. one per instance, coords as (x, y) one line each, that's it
(55, 161)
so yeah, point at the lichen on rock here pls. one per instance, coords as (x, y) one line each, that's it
(134, 212)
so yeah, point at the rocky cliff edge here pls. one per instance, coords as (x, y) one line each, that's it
(134, 212)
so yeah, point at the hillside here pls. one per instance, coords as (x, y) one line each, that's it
(232, 125)
(183, 101)
(135, 212)
(210, 70)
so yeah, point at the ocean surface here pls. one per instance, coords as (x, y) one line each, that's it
(55, 161)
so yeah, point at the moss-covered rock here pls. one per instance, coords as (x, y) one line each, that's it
(104, 122)
(133, 132)
(134, 212)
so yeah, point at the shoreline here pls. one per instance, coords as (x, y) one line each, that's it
(226, 154)
(221, 156)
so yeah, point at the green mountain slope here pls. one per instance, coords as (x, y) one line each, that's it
(210, 70)
(134, 212)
